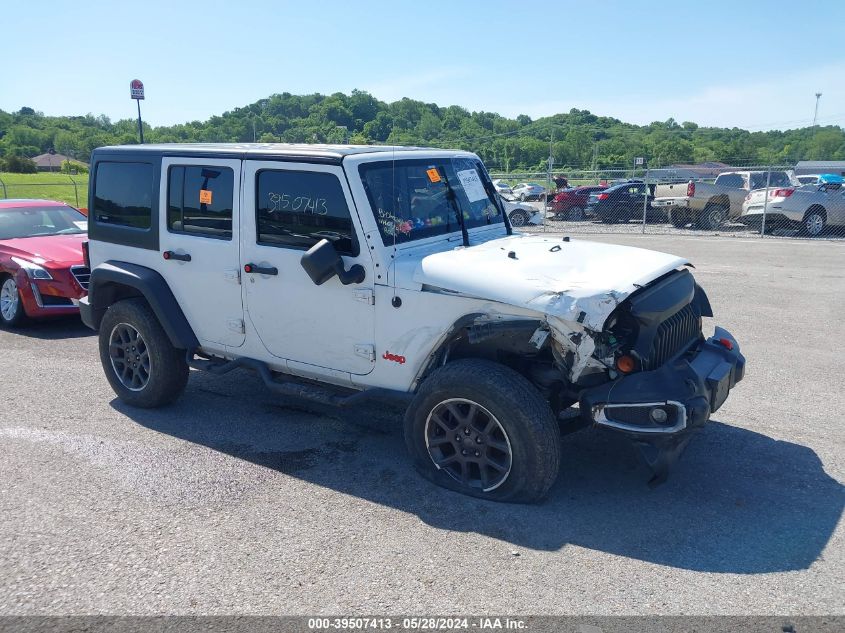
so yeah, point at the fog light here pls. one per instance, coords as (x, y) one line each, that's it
(626, 364)
(659, 416)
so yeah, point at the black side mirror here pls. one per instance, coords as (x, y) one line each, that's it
(322, 262)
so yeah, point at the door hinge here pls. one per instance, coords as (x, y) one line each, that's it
(366, 351)
(232, 274)
(364, 295)
(236, 325)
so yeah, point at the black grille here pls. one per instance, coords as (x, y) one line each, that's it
(82, 275)
(49, 301)
(674, 335)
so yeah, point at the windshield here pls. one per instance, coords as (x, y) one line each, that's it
(410, 197)
(36, 221)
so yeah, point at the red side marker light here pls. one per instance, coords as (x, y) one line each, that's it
(726, 343)
(166, 254)
(247, 268)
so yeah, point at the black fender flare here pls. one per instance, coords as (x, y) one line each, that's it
(114, 280)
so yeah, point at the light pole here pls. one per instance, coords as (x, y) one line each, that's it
(816, 113)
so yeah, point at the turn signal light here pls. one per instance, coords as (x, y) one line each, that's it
(626, 364)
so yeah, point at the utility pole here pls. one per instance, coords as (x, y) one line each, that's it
(816, 113)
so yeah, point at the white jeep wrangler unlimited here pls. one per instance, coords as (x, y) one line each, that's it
(343, 274)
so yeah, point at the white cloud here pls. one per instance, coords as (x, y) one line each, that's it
(771, 102)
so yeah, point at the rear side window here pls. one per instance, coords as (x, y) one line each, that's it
(200, 200)
(123, 194)
(297, 209)
(730, 180)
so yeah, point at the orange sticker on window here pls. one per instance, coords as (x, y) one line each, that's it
(433, 174)
(205, 196)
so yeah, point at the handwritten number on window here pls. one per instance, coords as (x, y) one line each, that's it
(298, 204)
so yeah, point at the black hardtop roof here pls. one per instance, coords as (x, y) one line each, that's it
(289, 151)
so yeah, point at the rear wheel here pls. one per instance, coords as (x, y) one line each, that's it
(575, 214)
(620, 214)
(712, 217)
(814, 222)
(679, 218)
(482, 429)
(141, 364)
(11, 306)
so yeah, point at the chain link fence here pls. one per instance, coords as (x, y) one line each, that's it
(49, 186)
(743, 200)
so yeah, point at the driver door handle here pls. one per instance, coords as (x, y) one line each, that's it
(261, 270)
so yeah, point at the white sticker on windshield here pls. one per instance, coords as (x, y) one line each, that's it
(81, 224)
(472, 185)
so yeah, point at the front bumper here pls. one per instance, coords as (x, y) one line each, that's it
(660, 409)
(49, 297)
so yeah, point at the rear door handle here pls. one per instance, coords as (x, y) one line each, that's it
(261, 270)
(182, 257)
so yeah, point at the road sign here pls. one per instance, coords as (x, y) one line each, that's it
(136, 89)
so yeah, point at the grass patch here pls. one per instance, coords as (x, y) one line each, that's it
(46, 185)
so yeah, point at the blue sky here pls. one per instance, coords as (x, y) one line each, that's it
(749, 64)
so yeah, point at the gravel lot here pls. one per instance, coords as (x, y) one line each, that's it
(234, 501)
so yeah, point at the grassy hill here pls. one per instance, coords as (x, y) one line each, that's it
(579, 139)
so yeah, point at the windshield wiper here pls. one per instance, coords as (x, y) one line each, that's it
(453, 200)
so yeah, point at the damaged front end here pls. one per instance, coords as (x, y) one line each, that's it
(649, 372)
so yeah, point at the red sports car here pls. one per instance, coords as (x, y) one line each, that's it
(41, 265)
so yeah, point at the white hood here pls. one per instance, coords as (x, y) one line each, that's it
(560, 279)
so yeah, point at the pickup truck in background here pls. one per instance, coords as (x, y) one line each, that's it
(708, 205)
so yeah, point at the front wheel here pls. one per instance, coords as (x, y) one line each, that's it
(518, 218)
(482, 429)
(141, 364)
(11, 306)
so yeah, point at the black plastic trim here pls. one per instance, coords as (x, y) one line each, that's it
(115, 280)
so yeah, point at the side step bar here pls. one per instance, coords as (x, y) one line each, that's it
(333, 396)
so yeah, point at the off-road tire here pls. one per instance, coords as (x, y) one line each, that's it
(168, 369)
(531, 430)
(18, 316)
(712, 217)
